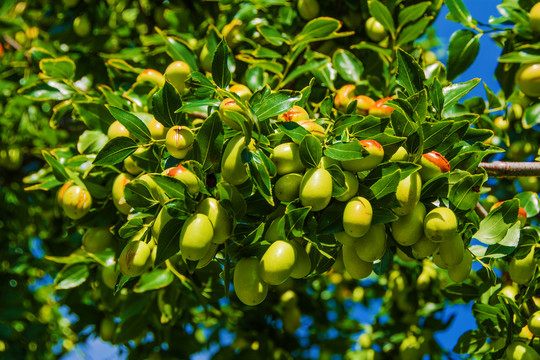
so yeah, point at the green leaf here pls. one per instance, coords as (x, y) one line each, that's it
(135, 126)
(402, 117)
(410, 32)
(530, 202)
(493, 100)
(173, 187)
(220, 71)
(520, 57)
(271, 34)
(294, 221)
(459, 13)
(412, 13)
(169, 241)
(61, 68)
(531, 116)
(489, 318)
(318, 29)
(436, 95)
(456, 133)
(339, 187)
(332, 218)
(157, 279)
(310, 151)
(349, 67)
(311, 66)
(58, 169)
(179, 52)
(470, 342)
(494, 227)
(463, 292)
(409, 73)
(91, 142)
(454, 92)
(435, 133)
(275, 104)
(137, 193)
(383, 180)
(462, 51)
(115, 151)
(270, 65)
(367, 128)
(209, 141)
(293, 130)
(231, 198)
(346, 151)
(382, 15)
(465, 193)
(507, 245)
(165, 102)
(71, 277)
(259, 169)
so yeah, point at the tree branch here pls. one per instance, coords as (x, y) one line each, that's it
(511, 169)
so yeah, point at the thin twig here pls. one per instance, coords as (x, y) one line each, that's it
(481, 211)
(511, 169)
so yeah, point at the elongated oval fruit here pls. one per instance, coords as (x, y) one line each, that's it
(433, 165)
(409, 228)
(363, 104)
(451, 251)
(316, 189)
(76, 202)
(162, 218)
(345, 238)
(438, 261)
(380, 109)
(177, 73)
(248, 284)
(208, 257)
(400, 155)
(179, 140)
(116, 129)
(440, 224)
(302, 264)
(534, 18)
(308, 9)
(424, 247)
(374, 157)
(343, 96)
(372, 245)
(528, 79)
(408, 194)
(521, 351)
(227, 107)
(314, 128)
(196, 237)
(287, 187)
(534, 323)
(233, 169)
(522, 270)
(357, 268)
(109, 276)
(351, 181)
(296, 114)
(96, 240)
(277, 262)
(357, 216)
(286, 157)
(291, 319)
(133, 259)
(460, 272)
(186, 177)
(217, 215)
(375, 30)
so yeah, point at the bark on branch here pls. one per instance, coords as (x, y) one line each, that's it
(511, 169)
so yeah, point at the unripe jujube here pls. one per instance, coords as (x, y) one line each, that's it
(433, 164)
(357, 268)
(157, 130)
(233, 169)
(408, 194)
(76, 202)
(286, 157)
(424, 247)
(177, 73)
(134, 258)
(196, 237)
(287, 187)
(296, 114)
(186, 177)
(217, 215)
(248, 284)
(374, 157)
(116, 129)
(242, 91)
(118, 193)
(440, 224)
(520, 351)
(277, 262)
(375, 30)
(153, 76)
(316, 189)
(345, 238)
(372, 245)
(96, 240)
(344, 96)
(528, 79)
(227, 107)
(534, 323)
(460, 272)
(522, 270)
(409, 228)
(352, 184)
(451, 251)
(357, 216)
(302, 264)
(179, 141)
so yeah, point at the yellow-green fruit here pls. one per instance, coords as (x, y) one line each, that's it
(438, 261)
(357, 268)
(277, 262)
(287, 187)
(109, 276)
(118, 193)
(534, 323)
(522, 270)
(131, 166)
(217, 215)
(179, 140)
(326, 162)
(534, 18)
(233, 170)
(152, 76)
(227, 107)
(177, 73)
(296, 114)
(157, 192)
(451, 251)
(186, 177)
(351, 181)
(157, 130)
(372, 245)
(107, 328)
(400, 155)
(520, 351)
(134, 258)
(272, 233)
(440, 224)
(408, 229)
(370, 161)
(308, 9)
(286, 157)
(82, 26)
(528, 79)
(248, 284)
(205, 59)
(160, 221)
(316, 189)
(345, 238)
(241, 90)
(408, 194)
(96, 240)
(208, 257)
(410, 349)
(196, 237)
(403, 256)
(76, 202)
(291, 319)
(302, 264)
(460, 272)
(357, 216)
(116, 129)
(375, 30)
(424, 247)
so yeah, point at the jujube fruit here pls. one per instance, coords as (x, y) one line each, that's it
(440, 224)
(296, 114)
(357, 268)
(242, 91)
(152, 76)
(116, 129)
(177, 73)
(107, 328)
(400, 155)
(96, 240)
(451, 251)
(363, 104)
(352, 184)
(522, 270)
(179, 141)
(196, 237)
(217, 215)
(316, 189)
(227, 107)
(134, 258)
(433, 164)
(344, 238)
(409, 228)
(534, 18)
(308, 9)
(157, 130)
(375, 30)
(424, 247)
(371, 161)
(109, 276)
(357, 216)
(118, 193)
(248, 284)
(286, 157)
(302, 264)
(528, 79)
(381, 110)
(534, 323)
(460, 272)
(313, 128)
(408, 194)
(344, 96)
(155, 190)
(233, 169)
(520, 351)
(189, 179)
(82, 26)
(162, 218)
(76, 202)
(277, 262)
(287, 187)
(372, 245)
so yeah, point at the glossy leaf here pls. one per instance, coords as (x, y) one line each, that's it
(350, 68)
(220, 70)
(310, 151)
(165, 102)
(115, 151)
(462, 51)
(135, 126)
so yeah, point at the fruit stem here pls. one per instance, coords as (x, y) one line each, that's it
(511, 169)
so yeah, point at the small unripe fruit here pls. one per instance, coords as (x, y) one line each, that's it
(118, 193)
(375, 30)
(107, 328)
(451, 251)
(410, 348)
(314, 128)
(351, 181)
(227, 106)
(363, 104)
(424, 247)
(157, 130)
(241, 90)
(177, 73)
(205, 59)
(522, 270)
(217, 215)
(109, 276)
(82, 26)
(344, 96)
(528, 79)
(296, 114)
(277, 262)
(62, 191)
(381, 110)
(534, 18)
(438, 261)
(316, 189)
(408, 194)
(96, 240)
(440, 224)
(131, 166)
(357, 216)
(152, 76)
(308, 9)
(291, 317)
(272, 233)
(520, 351)
(233, 169)
(408, 229)
(179, 141)
(345, 238)
(116, 129)
(160, 221)
(134, 258)
(460, 272)
(357, 268)
(286, 157)
(501, 123)
(76, 202)
(433, 164)
(287, 187)
(371, 161)
(400, 155)
(302, 264)
(372, 245)
(534, 323)
(186, 177)
(196, 237)
(248, 284)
